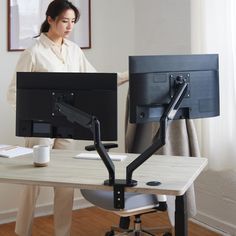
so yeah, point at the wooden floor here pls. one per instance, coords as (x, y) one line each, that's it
(95, 222)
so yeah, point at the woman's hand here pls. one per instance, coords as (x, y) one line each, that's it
(122, 77)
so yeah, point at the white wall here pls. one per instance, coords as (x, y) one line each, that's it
(162, 27)
(119, 28)
(216, 199)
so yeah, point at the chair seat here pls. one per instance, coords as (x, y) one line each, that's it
(133, 201)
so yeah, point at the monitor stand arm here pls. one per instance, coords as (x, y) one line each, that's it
(160, 138)
(92, 123)
(75, 115)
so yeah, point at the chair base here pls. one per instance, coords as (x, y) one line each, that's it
(139, 231)
(143, 232)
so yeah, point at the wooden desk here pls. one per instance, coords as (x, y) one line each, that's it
(175, 173)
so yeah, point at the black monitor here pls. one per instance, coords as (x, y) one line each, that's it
(154, 80)
(37, 114)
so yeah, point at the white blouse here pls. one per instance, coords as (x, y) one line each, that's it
(46, 56)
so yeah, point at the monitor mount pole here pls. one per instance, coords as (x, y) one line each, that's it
(160, 138)
(75, 115)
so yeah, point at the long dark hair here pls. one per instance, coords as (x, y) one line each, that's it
(55, 8)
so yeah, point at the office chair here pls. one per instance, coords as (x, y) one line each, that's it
(135, 205)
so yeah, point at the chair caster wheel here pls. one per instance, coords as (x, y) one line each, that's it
(110, 233)
(167, 234)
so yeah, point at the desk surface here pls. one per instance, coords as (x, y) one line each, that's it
(175, 173)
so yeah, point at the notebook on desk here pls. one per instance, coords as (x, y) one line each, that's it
(11, 151)
(95, 156)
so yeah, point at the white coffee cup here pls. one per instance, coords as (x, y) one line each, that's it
(41, 155)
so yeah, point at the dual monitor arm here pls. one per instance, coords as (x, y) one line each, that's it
(75, 115)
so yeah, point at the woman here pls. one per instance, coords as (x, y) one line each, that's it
(52, 52)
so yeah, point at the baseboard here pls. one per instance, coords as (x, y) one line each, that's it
(214, 224)
(41, 210)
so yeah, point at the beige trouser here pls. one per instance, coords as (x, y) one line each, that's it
(63, 198)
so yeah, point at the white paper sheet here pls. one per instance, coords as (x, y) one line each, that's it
(10, 151)
(95, 156)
